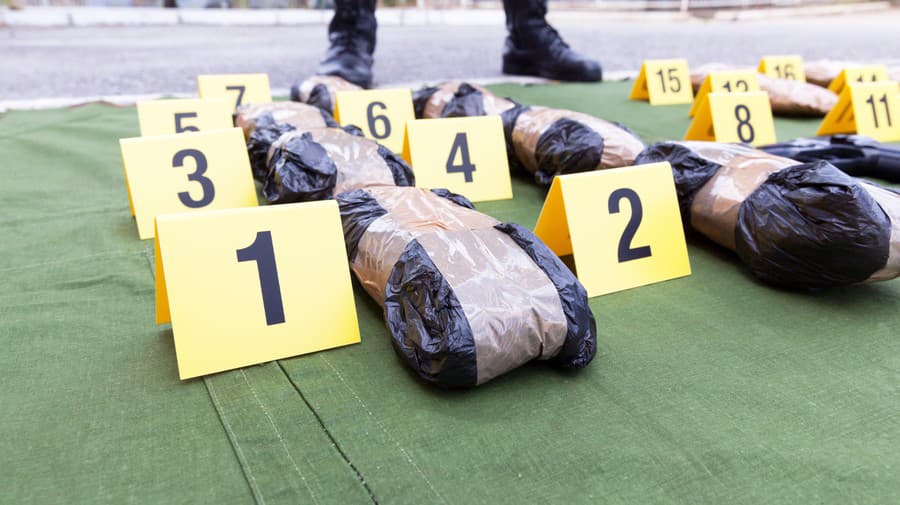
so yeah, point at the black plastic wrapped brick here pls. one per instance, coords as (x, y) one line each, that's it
(466, 298)
(549, 142)
(320, 163)
(795, 225)
(458, 99)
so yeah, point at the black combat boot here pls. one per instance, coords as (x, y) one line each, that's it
(533, 47)
(352, 37)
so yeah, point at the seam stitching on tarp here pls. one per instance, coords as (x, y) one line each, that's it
(232, 437)
(380, 425)
(359, 475)
(280, 438)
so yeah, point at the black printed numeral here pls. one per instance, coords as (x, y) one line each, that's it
(263, 253)
(887, 112)
(180, 127)
(465, 166)
(240, 97)
(674, 81)
(374, 118)
(745, 130)
(626, 251)
(739, 86)
(209, 191)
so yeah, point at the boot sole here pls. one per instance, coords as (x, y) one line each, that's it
(527, 67)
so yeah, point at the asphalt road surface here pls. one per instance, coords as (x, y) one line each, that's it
(74, 62)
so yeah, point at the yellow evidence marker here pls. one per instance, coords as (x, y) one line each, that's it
(242, 89)
(165, 117)
(663, 82)
(622, 226)
(872, 109)
(860, 74)
(729, 81)
(466, 155)
(783, 67)
(246, 286)
(186, 171)
(380, 113)
(734, 117)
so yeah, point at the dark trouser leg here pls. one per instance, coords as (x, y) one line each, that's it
(533, 47)
(352, 37)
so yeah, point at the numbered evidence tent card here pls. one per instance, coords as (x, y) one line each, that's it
(734, 117)
(165, 117)
(663, 82)
(783, 67)
(380, 113)
(622, 226)
(241, 89)
(185, 172)
(729, 81)
(465, 155)
(245, 286)
(860, 74)
(871, 109)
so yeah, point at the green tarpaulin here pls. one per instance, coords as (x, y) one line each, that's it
(708, 389)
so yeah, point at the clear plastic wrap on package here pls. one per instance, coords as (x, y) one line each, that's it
(320, 90)
(549, 142)
(458, 99)
(787, 97)
(292, 113)
(466, 298)
(796, 225)
(320, 163)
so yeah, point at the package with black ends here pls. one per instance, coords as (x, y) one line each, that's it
(466, 298)
(300, 115)
(787, 97)
(318, 164)
(458, 99)
(267, 131)
(796, 225)
(320, 90)
(549, 142)
(857, 155)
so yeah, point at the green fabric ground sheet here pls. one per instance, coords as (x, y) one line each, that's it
(713, 388)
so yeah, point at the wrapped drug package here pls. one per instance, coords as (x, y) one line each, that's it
(787, 97)
(466, 298)
(858, 155)
(292, 113)
(458, 99)
(795, 225)
(822, 72)
(549, 142)
(320, 163)
(320, 90)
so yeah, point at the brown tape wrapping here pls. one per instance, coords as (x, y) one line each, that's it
(619, 146)
(822, 72)
(434, 107)
(331, 82)
(890, 204)
(292, 113)
(787, 97)
(714, 210)
(512, 307)
(795, 98)
(357, 160)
